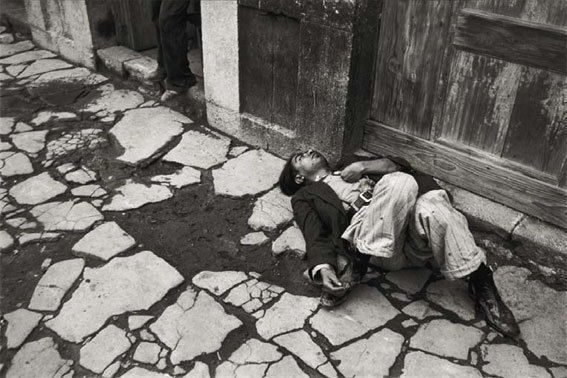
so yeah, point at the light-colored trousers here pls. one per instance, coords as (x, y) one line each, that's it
(401, 230)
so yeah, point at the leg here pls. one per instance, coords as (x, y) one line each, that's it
(159, 73)
(173, 36)
(379, 229)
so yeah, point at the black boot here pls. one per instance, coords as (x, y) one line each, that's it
(488, 302)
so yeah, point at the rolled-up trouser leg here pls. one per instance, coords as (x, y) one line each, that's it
(379, 229)
(445, 231)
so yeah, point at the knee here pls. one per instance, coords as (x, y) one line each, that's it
(400, 184)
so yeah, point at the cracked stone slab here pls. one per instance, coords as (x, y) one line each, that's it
(301, 345)
(92, 191)
(79, 75)
(99, 352)
(39, 358)
(218, 282)
(20, 324)
(109, 100)
(72, 142)
(14, 164)
(420, 310)
(37, 189)
(133, 195)
(200, 149)
(43, 66)
(21, 223)
(409, 280)
(179, 179)
(55, 283)
(260, 169)
(237, 151)
(438, 337)
(6, 240)
(28, 56)
(138, 372)
(452, 296)
(192, 331)
(252, 295)
(32, 237)
(66, 216)
(15, 48)
(291, 240)
(255, 351)
(370, 357)
(122, 285)
(22, 127)
(6, 125)
(104, 242)
(539, 310)
(254, 238)
(67, 167)
(419, 364)
(6, 38)
(138, 321)
(147, 353)
(287, 367)
(146, 131)
(81, 176)
(5, 146)
(48, 115)
(230, 369)
(32, 142)
(201, 370)
(288, 314)
(501, 360)
(365, 309)
(271, 211)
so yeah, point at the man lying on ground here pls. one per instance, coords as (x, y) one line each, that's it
(380, 211)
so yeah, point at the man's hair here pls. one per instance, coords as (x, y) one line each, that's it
(287, 182)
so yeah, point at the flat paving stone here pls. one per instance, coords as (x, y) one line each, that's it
(20, 324)
(6, 125)
(6, 240)
(31, 237)
(32, 141)
(291, 240)
(509, 361)
(79, 75)
(42, 66)
(287, 367)
(104, 242)
(288, 314)
(99, 352)
(420, 310)
(81, 176)
(138, 321)
(419, 364)
(237, 151)
(190, 332)
(409, 280)
(251, 173)
(122, 285)
(452, 296)
(147, 353)
(252, 295)
(539, 310)
(28, 56)
(218, 282)
(55, 283)
(231, 370)
(141, 137)
(255, 351)
(271, 211)
(39, 358)
(302, 346)
(200, 370)
(179, 179)
(21, 223)
(66, 216)
(67, 167)
(254, 238)
(14, 164)
(22, 127)
(37, 189)
(48, 115)
(6, 38)
(372, 357)
(91, 191)
(133, 195)
(138, 372)
(5, 146)
(15, 48)
(199, 149)
(447, 339)
(365, 309)
(108, 100)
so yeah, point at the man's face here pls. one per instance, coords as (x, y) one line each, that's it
(309, 162)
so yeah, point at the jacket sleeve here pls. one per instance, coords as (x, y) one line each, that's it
(320, 248)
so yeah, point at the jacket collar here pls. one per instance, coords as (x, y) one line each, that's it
(324, 192)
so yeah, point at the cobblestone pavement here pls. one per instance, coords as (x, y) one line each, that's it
(90, 171)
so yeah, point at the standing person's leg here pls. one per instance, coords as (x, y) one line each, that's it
(159, 73)
(174, 41)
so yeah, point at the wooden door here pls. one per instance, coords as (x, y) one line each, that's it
(134, 27)
(474, 92)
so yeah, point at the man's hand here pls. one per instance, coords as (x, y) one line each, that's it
(353, 172)
(330, 281)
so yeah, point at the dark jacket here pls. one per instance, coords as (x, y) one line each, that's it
(322, 219)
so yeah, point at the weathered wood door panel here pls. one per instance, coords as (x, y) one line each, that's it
(475, 93)
(134, 27)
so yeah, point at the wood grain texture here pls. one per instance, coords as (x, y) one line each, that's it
(512, 39)
(134, 27)
(479, 175)
(410, 53)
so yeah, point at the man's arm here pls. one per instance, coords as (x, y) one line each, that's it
(356, 170)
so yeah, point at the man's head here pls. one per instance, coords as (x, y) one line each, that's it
(300, 169)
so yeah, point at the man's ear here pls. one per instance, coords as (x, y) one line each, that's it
(299, 179)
